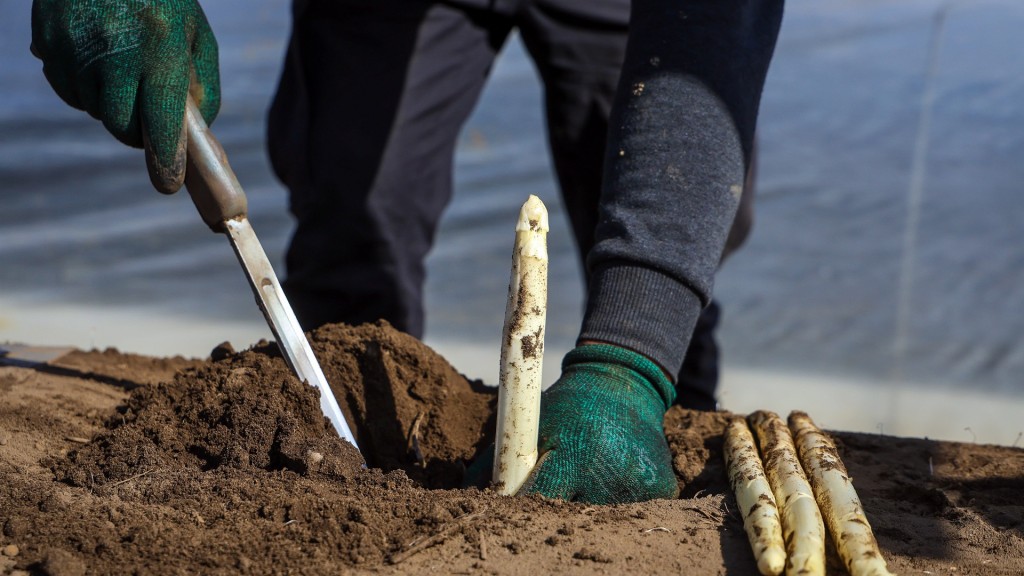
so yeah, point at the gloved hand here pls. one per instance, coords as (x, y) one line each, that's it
(130, 63)
(601, 435)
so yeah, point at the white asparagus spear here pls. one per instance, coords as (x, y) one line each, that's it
(522, 350)
(802, 528)
(754, 496)
(837, 499)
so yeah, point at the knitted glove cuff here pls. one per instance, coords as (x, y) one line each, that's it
(611, 354)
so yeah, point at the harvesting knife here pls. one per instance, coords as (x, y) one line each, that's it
(215, 190)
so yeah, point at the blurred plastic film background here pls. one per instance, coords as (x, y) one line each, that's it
(881, 289)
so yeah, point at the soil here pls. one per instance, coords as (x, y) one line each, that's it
(114, 463)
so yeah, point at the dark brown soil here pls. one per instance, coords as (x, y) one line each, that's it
(121, 464)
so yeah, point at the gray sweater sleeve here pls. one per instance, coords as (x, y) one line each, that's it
(679, 141)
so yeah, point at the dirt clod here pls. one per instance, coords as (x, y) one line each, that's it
(63, 563)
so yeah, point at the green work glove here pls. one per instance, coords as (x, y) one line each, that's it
(601, 434)
(130, 63)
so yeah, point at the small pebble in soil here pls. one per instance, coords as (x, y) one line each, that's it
(62, 563)
(15, 527)
(10, 550)
(592, 555)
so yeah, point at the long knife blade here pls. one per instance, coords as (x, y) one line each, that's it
(221, 201)
(274, 304)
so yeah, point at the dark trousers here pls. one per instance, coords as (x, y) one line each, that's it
(362, 131)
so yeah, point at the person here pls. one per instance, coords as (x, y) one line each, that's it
(381, 158)
(680, 142)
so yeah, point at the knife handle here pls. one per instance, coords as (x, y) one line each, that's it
(211, 183)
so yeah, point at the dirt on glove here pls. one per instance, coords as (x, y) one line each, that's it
(115, 463)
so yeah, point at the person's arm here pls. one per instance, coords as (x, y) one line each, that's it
(680, 139)
(130, 64)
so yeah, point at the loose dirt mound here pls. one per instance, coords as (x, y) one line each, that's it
(119, 464)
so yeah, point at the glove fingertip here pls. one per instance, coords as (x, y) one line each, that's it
(162, 105)
(167, 170)
(543, 482)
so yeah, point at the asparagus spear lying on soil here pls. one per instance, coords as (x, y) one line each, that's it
(837, 499)
(802, 526)
(755, 499)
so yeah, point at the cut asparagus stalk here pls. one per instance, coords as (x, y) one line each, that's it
(837, 498)
(522, 350)
(754, 496)
(802, 527)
